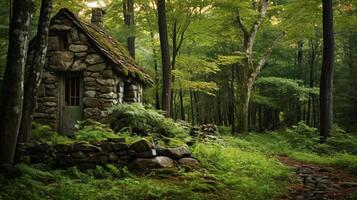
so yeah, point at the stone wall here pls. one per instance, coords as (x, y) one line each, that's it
(70, 51)
(139, 155)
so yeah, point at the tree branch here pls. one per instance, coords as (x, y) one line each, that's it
(266, 55)
(262, 12)
(241, 24)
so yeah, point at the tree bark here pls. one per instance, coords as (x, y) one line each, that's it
(157, 96)
(165, 55)
(33, 74)
(326, 84)
(13, 86)
(128, 9)
(181, 105)
(232, 109)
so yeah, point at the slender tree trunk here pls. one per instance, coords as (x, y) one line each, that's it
(326, 84)
(232, 100)
(128, 9)
(157, 96)
(198, 120)
(34, 72)
(11, 109)
(311, 82)
(192, 109)
(165, 55)
(300, 76)
(182, 106)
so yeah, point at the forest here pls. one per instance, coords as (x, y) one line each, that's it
(178, 99)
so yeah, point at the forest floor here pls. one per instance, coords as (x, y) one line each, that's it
(287, 165)
(319, 182)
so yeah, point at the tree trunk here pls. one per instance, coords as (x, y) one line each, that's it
(299, 76)
(34, 72)
(157, 96)
(232, 106)
(326, 84)
(165, 55)
(311, 82)
(13, 85)
(192, 110)
(128, 9)
(243, 106)
(182, 106)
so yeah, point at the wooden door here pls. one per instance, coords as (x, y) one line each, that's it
(71, 102)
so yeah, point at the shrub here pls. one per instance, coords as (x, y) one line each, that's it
(143, 121)
(43, 133)
(90, 130)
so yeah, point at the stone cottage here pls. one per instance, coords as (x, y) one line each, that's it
(86, 72)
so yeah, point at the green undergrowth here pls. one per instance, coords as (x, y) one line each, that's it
(226, 172)
(301, 142)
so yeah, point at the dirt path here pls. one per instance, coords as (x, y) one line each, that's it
(320, 182)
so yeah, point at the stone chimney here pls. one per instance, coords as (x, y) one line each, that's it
(98, 17)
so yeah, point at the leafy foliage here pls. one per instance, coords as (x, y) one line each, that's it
(90, 130)
(143, 121)
(44, 133)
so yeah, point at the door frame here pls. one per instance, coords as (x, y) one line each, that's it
(61, 95)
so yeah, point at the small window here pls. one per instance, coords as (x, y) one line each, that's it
(72, 90)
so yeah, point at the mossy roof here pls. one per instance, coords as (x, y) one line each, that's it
(110, 47)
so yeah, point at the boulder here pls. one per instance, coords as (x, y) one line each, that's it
(89, 93)
(78, 48)
(91, 102)
(191, 162)
(108, 74)
(105, 89)
(61, 60)
(141, 146)
(60, 27)
(109, 82)
(147, 154)
(110, 95)
(96, 67)
(78, 66)
(94, 59)
(174, 153)
(93, 113)
(151, 163)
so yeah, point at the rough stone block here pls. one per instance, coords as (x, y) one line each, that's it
(96, 68)
(94, 59)
(61, 60)
(78, 48)
(141, 146)
(91, 102)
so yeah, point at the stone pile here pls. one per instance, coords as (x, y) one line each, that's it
(140, 155)
(205, 131)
